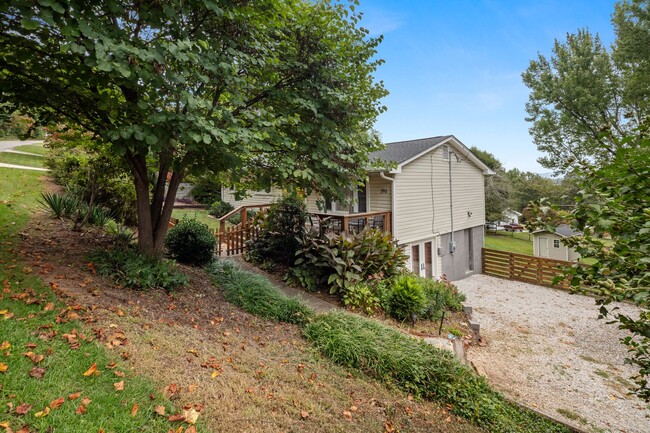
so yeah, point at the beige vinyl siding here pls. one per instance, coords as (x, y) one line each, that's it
(423, 186)
(379, 191)
(253, 198)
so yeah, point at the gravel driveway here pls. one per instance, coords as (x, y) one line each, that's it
(547, 349)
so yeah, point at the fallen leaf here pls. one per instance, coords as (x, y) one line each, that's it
(348, 415)
(304, 414)
(37, 372)
(42, 413)
(134, 409)
(49, 307)
(56, 403)
(388, 427)
(119, 386)
(3, 367)
(5, 345)
(120, 313)
(193, 352)
(215, 374)
(23, 408)
(92, 371)
(176, 417)
(160, 410)
(74, 396)
(191, 429)
(85, 401)
(80, 410)
(118, 373)
(190, 415)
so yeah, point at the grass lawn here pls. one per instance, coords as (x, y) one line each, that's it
(32, 148)
(53, 374)
(514, 242)
(20, 159)
(200, 215)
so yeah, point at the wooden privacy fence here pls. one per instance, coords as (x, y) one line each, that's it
(522, 267)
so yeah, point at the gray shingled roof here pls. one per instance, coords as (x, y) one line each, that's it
(401, 151)
(565, 231)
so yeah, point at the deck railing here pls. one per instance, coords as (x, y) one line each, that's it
(352, 223)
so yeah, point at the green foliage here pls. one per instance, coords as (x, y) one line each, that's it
(441, 295)
(256, 295)
(191, 242)
(613, 213)
(220, 208)
(130, 269)
(206, 189)
(584, 89)
(281, 230)
(407, 300)
(338, 262)
(59, 205)
(81, 162)
(17, 125)
(265, 92)
(362, 296)
(420, 369)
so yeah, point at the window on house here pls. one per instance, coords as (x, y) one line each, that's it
(445, 152)
(556, 243)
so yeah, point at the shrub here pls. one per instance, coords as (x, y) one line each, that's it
(191, 242)
(281, 231)
(220, 208)
(206, 189)
(362, 296)
(132, 270)
(82, 162)
(420, 369)
(337, 262)
(256, 295)
(441, 295)
(406, 300)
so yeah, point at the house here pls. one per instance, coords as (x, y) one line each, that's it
(511, 216)
(433, 196)
(551, 244)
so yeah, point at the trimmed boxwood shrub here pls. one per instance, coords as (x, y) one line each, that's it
(191, 242)
(220, 208)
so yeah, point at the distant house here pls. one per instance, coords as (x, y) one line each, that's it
(551, 244)
(511, 216)
(437, 185)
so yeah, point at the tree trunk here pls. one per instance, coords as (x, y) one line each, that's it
(154, 210)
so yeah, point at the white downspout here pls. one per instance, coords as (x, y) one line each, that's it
(392, 201)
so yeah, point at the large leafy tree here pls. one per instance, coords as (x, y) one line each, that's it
(585, 96)
(613, 212)
(271, 91)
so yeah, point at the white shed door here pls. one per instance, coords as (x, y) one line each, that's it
(542, 247)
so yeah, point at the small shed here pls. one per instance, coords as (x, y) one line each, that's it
(551, 245)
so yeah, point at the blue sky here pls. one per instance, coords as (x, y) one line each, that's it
(454, 67)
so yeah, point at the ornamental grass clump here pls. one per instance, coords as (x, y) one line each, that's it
(256, 295)
(420, 369)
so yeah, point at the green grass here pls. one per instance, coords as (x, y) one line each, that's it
(514, 242)
(200, 215)
(20, 159)
(32, 148)
(32, 319)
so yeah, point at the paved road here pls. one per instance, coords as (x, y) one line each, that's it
(10, 144)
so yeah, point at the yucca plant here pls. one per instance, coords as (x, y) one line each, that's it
(59, 205)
